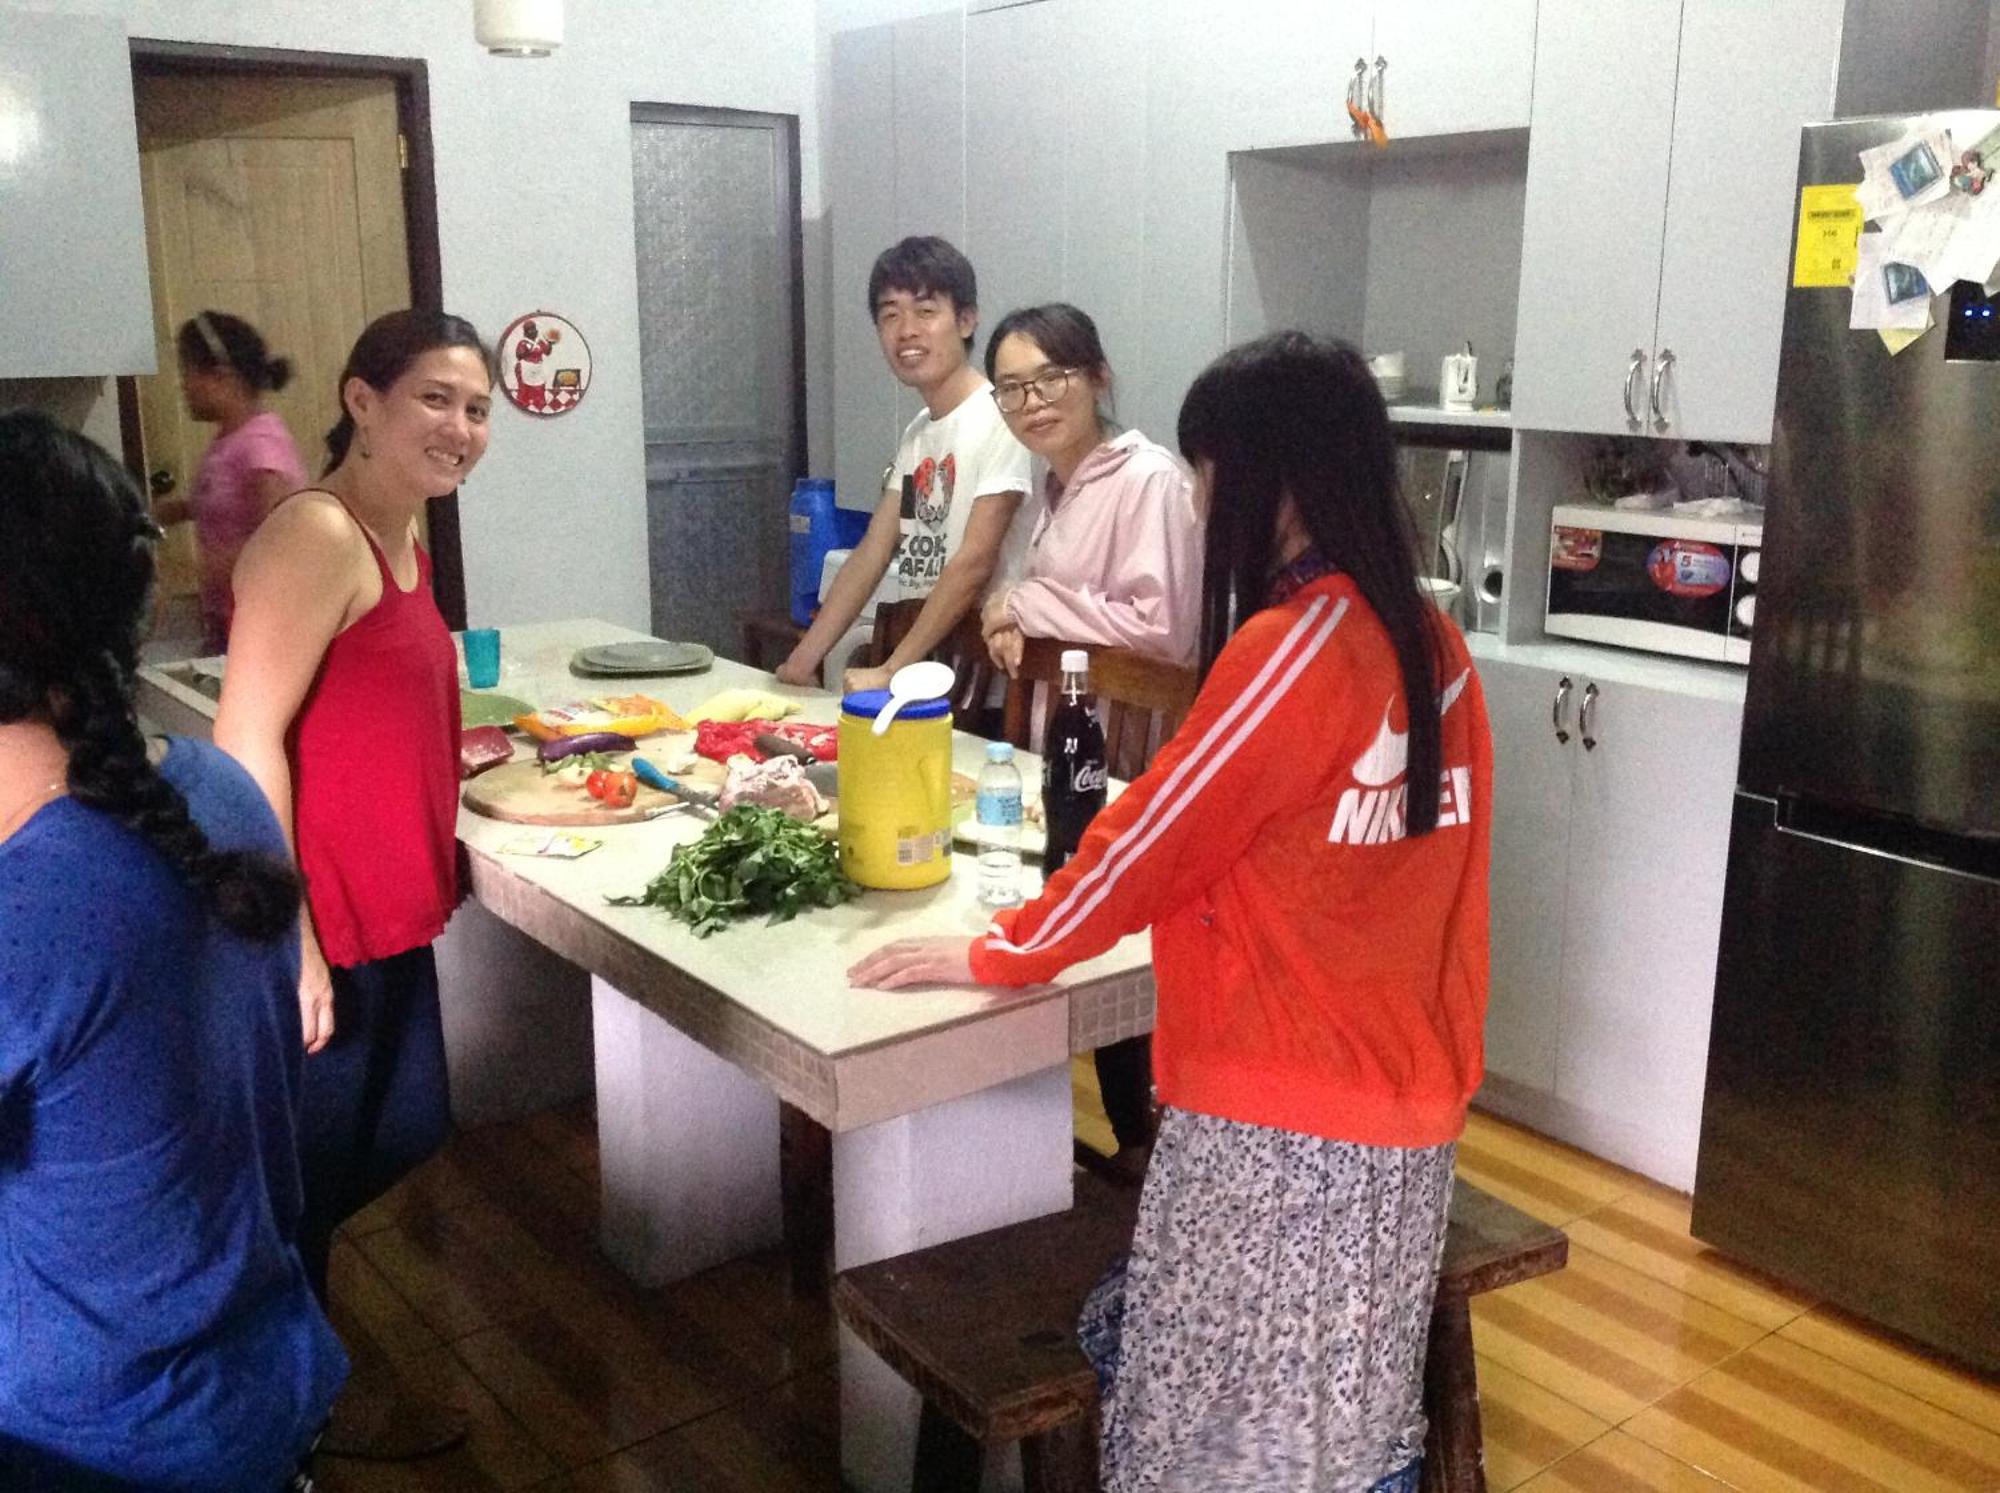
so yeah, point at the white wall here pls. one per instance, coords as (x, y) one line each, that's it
(534, 182)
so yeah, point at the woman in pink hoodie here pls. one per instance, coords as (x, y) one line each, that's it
(1113, 559)
(1113, 547)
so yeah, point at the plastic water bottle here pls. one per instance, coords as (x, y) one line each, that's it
(998, 808)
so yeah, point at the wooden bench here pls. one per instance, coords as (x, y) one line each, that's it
(985, 1329)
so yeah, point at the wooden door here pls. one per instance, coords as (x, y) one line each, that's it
(1596, 210)
(1750, 78)
(279, 200)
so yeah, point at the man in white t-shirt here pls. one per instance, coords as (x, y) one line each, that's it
(958, 477)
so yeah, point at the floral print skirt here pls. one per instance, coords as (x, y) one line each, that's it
(1268, 1329)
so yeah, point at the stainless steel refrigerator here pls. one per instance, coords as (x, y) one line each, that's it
(1850, 1138)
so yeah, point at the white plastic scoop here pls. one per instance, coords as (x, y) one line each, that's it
(926, 679)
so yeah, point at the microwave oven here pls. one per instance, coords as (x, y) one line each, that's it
(1662, 581)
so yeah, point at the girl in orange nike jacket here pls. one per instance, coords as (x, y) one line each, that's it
(1310, 851)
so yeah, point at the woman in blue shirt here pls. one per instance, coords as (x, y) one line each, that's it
(156, 1329)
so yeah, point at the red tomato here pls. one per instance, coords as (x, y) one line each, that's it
(620, 788)
(594, 784)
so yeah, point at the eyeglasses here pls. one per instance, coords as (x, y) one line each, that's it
(1012, 396)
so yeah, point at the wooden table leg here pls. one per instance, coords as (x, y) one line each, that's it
(1453, 1458)
(1063, 1459)
(948, 1460)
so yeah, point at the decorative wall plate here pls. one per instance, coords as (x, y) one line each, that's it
(544, 364)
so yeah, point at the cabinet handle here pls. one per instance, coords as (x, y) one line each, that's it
(1378, 94)
(1659, 376)
(1357, 99)
(1584, 721)
(1559, 715)
(1631, 383)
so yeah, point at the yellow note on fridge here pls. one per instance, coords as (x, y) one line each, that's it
(1829, 227)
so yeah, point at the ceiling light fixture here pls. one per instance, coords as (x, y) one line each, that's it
(518, 28)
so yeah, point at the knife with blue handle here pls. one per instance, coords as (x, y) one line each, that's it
(698, 799)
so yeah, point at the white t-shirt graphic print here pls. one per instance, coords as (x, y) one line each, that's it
(951, 463)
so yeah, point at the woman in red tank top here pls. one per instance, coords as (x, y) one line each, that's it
(341, 698)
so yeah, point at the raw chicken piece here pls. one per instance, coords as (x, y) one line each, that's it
(777, 784)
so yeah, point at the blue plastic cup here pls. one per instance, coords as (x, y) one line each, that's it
(482, 656)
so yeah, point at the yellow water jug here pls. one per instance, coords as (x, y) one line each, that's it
(895, 792)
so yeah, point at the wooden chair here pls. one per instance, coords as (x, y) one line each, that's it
(767, 635)
(985, 1329)
(1141, 700)
(963, 648)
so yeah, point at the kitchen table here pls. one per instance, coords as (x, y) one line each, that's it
(949, 1109)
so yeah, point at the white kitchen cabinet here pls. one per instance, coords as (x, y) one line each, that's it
(1279, 70)
(1659, 212)
(1019, 123)
(1611, 803)
(74, 291)
(1454, 66)
(1729, 219)
(1531, 832)
(1598, 154)
(861, 183)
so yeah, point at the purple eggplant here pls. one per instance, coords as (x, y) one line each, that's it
(560, 747)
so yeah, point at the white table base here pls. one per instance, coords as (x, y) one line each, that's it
(991, 1158)
(687, 1144)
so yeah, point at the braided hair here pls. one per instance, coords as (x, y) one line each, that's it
(76, 569)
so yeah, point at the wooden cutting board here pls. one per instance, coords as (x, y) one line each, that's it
(521, 793)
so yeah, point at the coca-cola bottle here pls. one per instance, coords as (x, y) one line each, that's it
(1073, 772)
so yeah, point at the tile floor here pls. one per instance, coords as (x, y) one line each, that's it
(1650, 1365)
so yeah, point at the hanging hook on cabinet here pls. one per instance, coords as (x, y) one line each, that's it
(1378, 116)
(1357, 100)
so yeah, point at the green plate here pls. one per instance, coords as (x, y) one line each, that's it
(481, 708)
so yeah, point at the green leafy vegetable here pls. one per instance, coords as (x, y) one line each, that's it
(751, 860)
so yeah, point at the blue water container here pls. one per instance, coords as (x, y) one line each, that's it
(815, 525)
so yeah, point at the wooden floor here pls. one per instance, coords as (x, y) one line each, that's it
(1648, 1364)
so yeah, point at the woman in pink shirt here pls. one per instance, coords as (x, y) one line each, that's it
(1113, 560)
(250, 465)
(1113, 548)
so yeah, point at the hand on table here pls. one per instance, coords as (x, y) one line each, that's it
(915, 961)
(860, 679)
(795, 672)
(1005, 644)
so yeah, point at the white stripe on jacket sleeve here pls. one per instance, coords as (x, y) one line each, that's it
(1194, 771)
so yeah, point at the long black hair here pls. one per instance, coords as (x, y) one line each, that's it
(215, 339)
(1299, 417)
(76, 570)
(383, 353)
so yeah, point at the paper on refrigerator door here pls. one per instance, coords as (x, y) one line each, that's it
(1905, 174)
(1872, 309)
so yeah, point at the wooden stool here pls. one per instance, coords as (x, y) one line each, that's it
(774, 631)
(1488, 1244)
(985, 1329)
